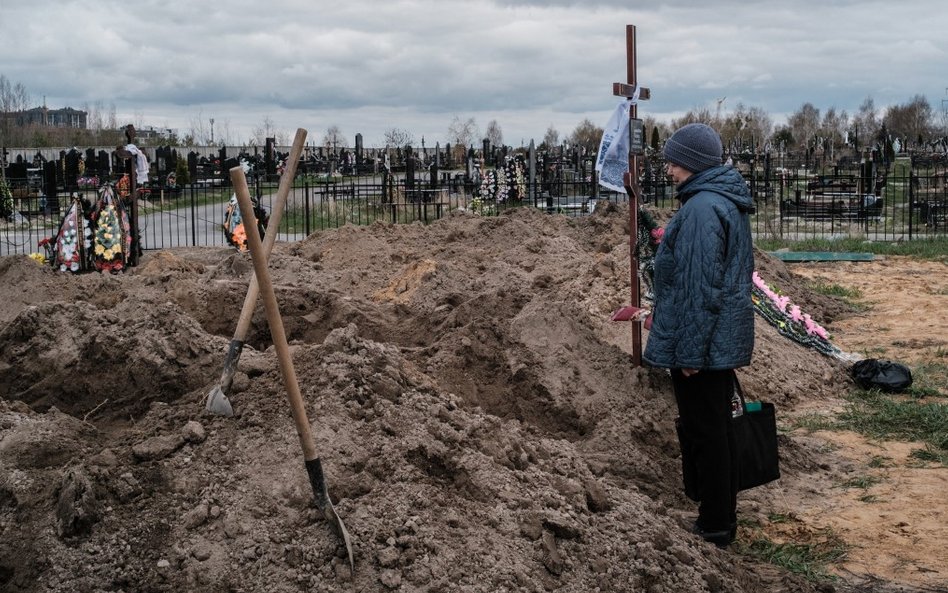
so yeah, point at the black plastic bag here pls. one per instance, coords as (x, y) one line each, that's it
(885, 375)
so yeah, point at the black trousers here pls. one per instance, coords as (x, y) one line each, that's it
(704, 407)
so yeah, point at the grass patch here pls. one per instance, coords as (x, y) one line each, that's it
(809, 559)
(850, 296)
(874, 352)
(931, 249)
(878, 416)
(812, 422)
(861, 482)
(931, 455)
(835, 290)
(929, 379)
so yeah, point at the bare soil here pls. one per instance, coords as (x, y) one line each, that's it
(896, 519)
(476, 412)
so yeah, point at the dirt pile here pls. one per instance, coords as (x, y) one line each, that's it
(479, 421)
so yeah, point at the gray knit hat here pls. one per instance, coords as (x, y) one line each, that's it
(695, 147)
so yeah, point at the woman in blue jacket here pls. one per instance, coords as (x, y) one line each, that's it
(702, 326)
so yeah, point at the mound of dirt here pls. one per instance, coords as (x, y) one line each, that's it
(476, 412)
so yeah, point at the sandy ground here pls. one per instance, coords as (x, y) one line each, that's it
(898, 523)
(479, 422)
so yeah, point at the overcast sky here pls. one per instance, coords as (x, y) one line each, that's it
(368, 66)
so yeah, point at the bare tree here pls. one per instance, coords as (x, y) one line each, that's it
(912, 121)
(698, 115)
(95, 116)
(587, 135)
(13, 98)
(657, 129)
(333, 137)
(396, 137)
(262, 132)
(551, 138)
(199, 130)
(833, 130)
(805, 123)
(746, 127)
(462, 134)
(112, 119)
(494, 135)
(865, 125)
(226, 136)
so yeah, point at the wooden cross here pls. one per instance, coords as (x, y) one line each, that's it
(631, 182)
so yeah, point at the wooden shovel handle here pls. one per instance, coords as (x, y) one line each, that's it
(286, 183)
(277, 331)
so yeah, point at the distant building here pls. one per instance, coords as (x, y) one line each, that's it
(151, 133)
(54, 118)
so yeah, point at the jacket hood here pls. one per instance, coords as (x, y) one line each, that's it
(724, 180)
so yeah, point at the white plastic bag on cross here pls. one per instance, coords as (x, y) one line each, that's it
(612, 162)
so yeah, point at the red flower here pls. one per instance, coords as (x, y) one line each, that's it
(657, 234)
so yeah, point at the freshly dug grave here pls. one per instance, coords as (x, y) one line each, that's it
(478, 418)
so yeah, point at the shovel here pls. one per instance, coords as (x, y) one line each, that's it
(217, 402)
(313, 465)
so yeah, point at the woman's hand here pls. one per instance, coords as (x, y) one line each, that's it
(689, 372)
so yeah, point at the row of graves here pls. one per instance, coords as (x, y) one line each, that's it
(94, 196)
(928, 195)
(101, 234)
(42, 186)
(855, 191)
(847, 194)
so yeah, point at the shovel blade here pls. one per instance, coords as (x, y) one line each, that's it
(318, 481)
(217, 403)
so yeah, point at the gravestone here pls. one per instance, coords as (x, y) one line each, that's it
(61, 169)
(532, 158)
(409, 168)
(103, 164)
(172, 160)
(192, 165)
(359, 156)
(71, 171)
(269, 156)
(224, 172)
(161, 161)
(50, 186)
(91, 160)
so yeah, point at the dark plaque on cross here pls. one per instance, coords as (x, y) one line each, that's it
(631, 90)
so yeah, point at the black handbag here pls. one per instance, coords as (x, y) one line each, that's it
(755, 436)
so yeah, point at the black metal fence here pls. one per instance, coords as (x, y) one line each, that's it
(900, 203)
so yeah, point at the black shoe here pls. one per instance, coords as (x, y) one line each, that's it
(721, 539)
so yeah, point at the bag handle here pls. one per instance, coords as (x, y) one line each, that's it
(739, 392)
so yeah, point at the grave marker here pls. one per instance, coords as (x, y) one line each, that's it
(631, 89)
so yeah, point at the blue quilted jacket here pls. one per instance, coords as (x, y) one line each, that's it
(703, 317)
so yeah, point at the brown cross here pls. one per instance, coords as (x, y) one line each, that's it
(631, 180)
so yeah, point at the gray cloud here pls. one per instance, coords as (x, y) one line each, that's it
(370, 66)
